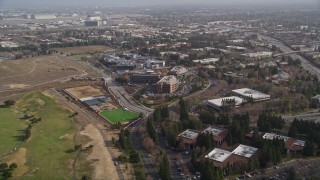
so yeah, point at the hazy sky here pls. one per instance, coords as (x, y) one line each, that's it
(60, 3)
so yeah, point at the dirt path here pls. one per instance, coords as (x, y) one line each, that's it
(104, 167)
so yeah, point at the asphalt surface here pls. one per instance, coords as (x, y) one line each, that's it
(306, 117)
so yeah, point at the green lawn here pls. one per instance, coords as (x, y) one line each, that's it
(46, 156)
(119, 115)
(11, 129)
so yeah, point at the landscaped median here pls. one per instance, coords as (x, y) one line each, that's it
(119, 115)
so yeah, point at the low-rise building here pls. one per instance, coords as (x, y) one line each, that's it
(178, 71)
(238, 158)
(232, 101)
(218, 134)
(144, 78)
(168, 84)
(206, 61)
(257, 55)
(188, 138)
(292, 145)
(247, 93)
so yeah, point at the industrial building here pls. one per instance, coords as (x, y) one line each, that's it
(168, 84)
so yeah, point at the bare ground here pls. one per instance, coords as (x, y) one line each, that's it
(104, 167)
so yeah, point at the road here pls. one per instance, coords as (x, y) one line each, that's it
(307, 65)
(307, 117)
(91, 119)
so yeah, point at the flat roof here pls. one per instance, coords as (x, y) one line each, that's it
(179, 69)
(218, 102)
(245, 151)
(213, 130)
(189, 134)
(219, 155)
(256, 95)
(299, 143)
(271, 136)
(169, 80)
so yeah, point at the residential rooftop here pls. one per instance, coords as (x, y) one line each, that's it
(169, 80)
(213, 130)
(219, 155)
(217, 103)
(245, 151)
(189, 134)
(272, 136)
(250, 93)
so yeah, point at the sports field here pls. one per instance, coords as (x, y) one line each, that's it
(119, 115)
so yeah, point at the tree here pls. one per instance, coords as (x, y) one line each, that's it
(308, 149)
(134, 157)
(164, 171)
(293, 131)
(9, 103)
(184, 112)
(292, 174)
(13, 166)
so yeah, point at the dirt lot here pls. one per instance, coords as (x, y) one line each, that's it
(19, 74)
(103, 163)
(84, 91)
(83, 49)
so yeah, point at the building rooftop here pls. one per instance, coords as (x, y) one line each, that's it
(179, 70)
(189, 134)
(219, 155)
(271, 136)
(169, 80)
(213, 130)
(299, 143)
(256, 95)
(218, 102)
(245, 151)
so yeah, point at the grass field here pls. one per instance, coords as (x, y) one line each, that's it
(119, 115)
(50, 138)
(11, 128)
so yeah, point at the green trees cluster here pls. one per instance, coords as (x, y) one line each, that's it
(205, 140)
(239, 127)
(271, 152)
(267, 122)
(6, 171)
(208, 172)
(307, 128)
(184, 110)
(161, 113)
(164, 171)
(208, 117)
(151, 127)
(124, 144)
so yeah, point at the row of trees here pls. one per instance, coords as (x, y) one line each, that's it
(164, 170)
(268, 122)
(124, 144)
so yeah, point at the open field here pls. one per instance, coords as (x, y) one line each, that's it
(44, 154)
(11, 128)
(84, 91)
(119, 115)
(17, 74)
(83, 49)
